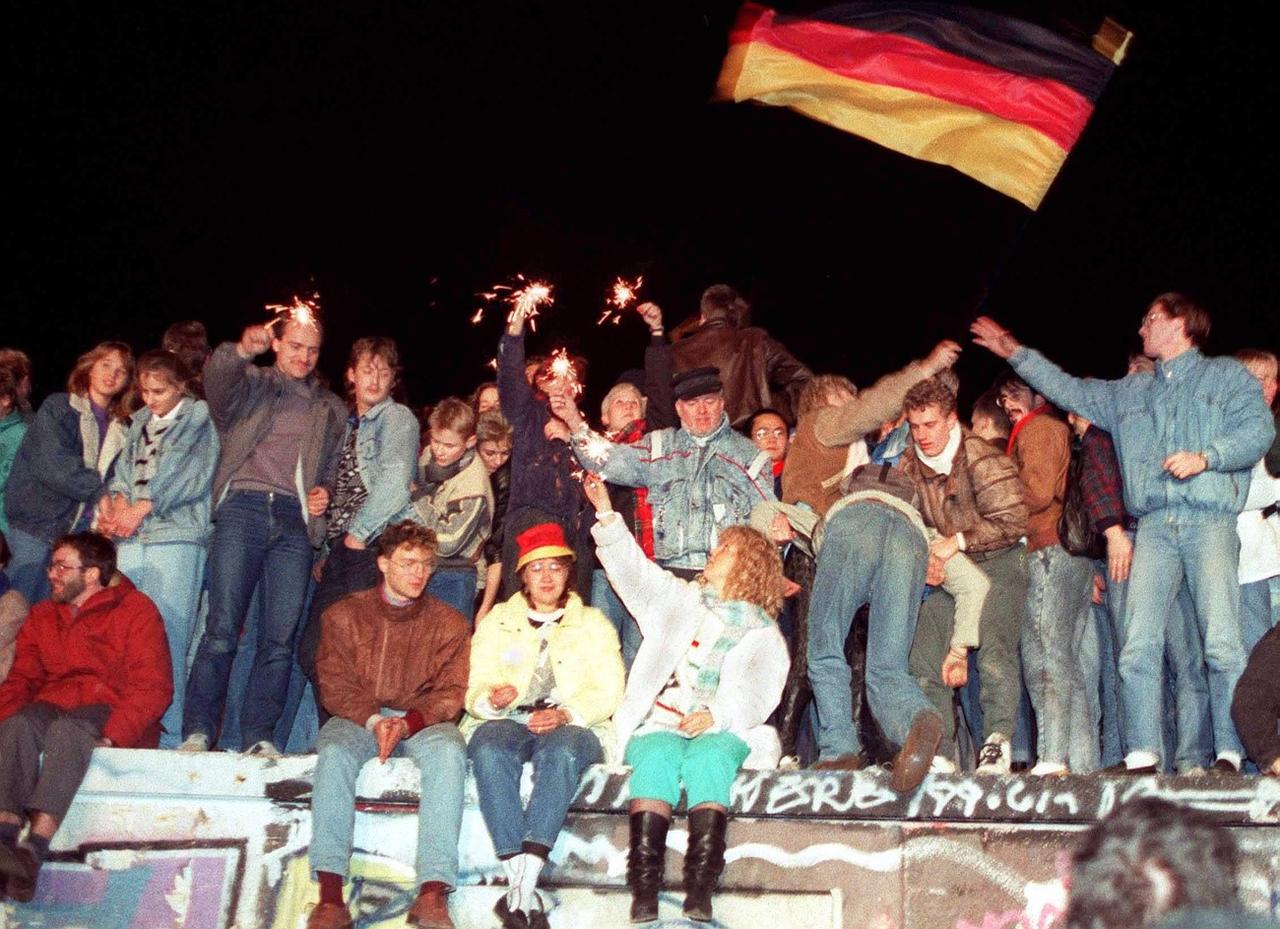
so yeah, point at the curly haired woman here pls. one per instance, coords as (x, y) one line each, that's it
(709, 672)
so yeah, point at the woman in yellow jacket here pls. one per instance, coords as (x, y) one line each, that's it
(546, 676)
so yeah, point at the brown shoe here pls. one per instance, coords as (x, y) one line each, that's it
(430, 911)
(330, 916)
(22, 868)
(912, 762)
(840, 763)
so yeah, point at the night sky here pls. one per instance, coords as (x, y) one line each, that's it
(171, 161)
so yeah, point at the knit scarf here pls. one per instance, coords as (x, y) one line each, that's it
(739, 618)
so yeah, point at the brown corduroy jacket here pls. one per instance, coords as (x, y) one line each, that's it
(981, 497)
(411, 658)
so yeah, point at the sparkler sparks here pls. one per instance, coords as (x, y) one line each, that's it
(624, 294)
(304, 311)
(596, 447)
(562, 367)
(525, 299)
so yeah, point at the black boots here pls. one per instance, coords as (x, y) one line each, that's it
(703, 861)
(645, 862)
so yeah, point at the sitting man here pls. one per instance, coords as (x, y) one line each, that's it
(92, 668)
(407, 705)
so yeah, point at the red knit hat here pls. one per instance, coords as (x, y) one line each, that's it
(545, 540)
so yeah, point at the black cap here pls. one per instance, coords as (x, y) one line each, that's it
(696, 382)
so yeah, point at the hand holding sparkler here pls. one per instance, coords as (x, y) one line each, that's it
(254, 341)
(651, 313)
(596, 493)
(566, 409)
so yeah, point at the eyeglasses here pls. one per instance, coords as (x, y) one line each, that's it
(414, 565)
(775, 433)
(555, 567)
(61, 567)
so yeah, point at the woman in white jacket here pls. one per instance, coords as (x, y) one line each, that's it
(709, 672)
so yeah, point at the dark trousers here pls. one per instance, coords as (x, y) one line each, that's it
(1255, 707)
(67, 739)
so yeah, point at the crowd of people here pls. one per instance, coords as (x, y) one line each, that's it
(719, 574)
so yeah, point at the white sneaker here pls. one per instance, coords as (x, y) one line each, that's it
(264, 749)
(196, 742)
(995, 756)
(788, 763)
(1049, 769)
(942, 765)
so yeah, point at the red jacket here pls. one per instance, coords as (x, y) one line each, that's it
(113, 651)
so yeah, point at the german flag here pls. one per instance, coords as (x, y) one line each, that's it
(996, 98)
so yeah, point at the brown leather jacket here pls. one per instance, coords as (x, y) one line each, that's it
(372, 654)
(981, 497)
(752, 366)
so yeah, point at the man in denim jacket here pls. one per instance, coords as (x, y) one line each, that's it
(281, 432)
(702, 478)
(1187, 436)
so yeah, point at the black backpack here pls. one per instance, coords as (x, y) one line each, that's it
(1076, 531)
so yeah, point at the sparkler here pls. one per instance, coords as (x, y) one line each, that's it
(624, 294)
(525, 299)
(597, 447)
(304, 311)
(562, 367)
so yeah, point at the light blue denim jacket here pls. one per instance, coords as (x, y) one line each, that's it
(387, 458)
(698, 487)
(1191, 403)
(182, 490)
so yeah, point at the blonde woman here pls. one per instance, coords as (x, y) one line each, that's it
(709, 672)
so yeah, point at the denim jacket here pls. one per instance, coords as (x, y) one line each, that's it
(697, 486)
(60, 468)
(1191, 403)
(387, 458)
(182, 489)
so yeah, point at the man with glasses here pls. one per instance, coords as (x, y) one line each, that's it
(702, 477)
(392, 668)
(91, 668)
(1187, 435)
(769, 433)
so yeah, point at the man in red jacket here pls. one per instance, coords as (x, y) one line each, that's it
(92, 668)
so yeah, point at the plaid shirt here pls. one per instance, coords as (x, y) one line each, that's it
(1100, 482)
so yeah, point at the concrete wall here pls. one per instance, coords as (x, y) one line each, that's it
(158, 839)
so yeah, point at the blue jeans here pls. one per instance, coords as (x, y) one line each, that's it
(1204, 550)
(28, 565)
(259, 541)
(456, 587)
(870, 554)
(604, 599)
(1102, 681)
(1057, 614)
(342, 749)
(172, 575)
(1256, 618)
(498, 750)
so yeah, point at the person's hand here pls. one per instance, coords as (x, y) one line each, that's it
(501, 695)
(104, 742)
(566, 409)
(543, 721)
(955, 667)
(129, 517)
(1119, 553)
(781, 529)
(317, 501)
(943, 356)
(994, 337)
(253, 341)
(597, 494)
(389, 731)
(104, 519)
(556, 429)
(790, 588)
(317, 569)
(651, 313)
(1183, 465)
(1099, 589)
(936, 572)
(944, 547)
(515, 322)
(352, 542)
(696, 723)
